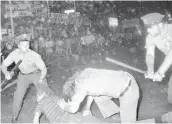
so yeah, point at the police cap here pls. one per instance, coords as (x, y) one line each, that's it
(22, 37)
(152, 18)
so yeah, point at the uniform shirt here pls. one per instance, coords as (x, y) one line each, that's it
(48, 105)
(97, 82)
(163, 41)
(31, 61)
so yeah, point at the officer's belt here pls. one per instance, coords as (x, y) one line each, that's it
(125, 90)
(36, 71)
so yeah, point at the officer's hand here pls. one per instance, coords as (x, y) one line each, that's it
(9, 75)
(149, 75)
(157, 77)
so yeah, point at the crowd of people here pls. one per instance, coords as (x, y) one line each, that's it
(91, 82)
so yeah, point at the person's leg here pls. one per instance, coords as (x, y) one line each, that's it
(170, 90)
(128, 104)
(22, 85)
(87, 107)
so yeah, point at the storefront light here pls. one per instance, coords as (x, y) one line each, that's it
(69, 11)
(113, 22)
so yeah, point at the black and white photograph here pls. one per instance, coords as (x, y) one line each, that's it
(86, 61)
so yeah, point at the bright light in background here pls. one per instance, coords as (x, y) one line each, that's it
(69, 11)
(113, 22)
(139, 31)
(168, 14)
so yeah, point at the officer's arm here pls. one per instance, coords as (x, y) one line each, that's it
(150, 55)
(43, 73)
(7, 62)
(74, 105)
(166, 63)
(41, 65)
(168, 58)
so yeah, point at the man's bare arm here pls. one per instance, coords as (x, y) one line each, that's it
(166, 63)
(36, 118)
(150, 55)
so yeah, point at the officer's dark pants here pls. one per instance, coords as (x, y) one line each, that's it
(170, 90)
(23, 83)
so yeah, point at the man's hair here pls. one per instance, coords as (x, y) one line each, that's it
(69, 86)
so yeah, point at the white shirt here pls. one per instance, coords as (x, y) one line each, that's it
(163, 41)
(100, 82)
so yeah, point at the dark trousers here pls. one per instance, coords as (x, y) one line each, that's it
(23, 83)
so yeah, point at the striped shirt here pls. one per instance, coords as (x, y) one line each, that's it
(48, 105)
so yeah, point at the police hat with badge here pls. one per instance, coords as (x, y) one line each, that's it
(22, 37)
(152, 19)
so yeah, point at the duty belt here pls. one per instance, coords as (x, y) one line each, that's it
(36, 71)
(125, 90)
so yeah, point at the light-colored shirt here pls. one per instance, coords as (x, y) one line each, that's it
(163, 41)
(31, 61)
(100, 82)
(87, 40)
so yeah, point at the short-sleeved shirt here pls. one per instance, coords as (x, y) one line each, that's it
(163, 41)
(100, 82)
(31, 61)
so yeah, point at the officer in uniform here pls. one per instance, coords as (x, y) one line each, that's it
(32, 70)
(160, 36)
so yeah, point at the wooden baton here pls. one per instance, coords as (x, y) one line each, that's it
(125, 65)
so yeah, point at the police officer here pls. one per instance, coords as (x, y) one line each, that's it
(160, 36)
(32, 70)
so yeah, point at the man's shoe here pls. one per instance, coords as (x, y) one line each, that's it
(14, 120)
